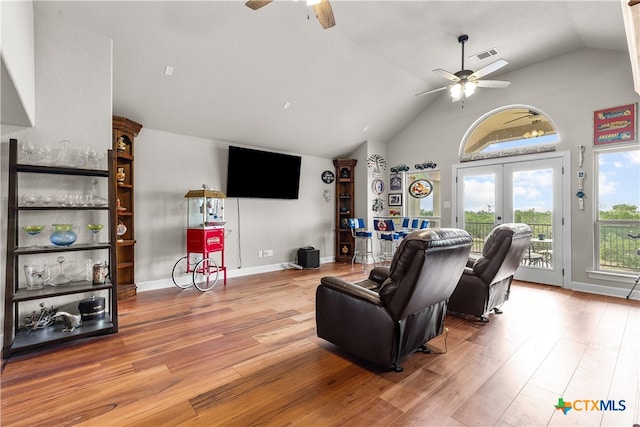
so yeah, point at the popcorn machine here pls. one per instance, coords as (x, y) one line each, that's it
(205, 239)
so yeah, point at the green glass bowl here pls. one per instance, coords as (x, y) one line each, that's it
(33, 229)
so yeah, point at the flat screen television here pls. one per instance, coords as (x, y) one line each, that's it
(262, 174)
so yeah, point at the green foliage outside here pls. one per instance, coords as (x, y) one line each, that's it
(617, 251)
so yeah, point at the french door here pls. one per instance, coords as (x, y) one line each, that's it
(522, 191)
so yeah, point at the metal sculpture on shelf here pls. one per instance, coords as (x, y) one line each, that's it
(42, 319)
(71, 321)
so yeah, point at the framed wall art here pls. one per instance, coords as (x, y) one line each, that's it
(395, 182)
(395, 199)
(614, 125)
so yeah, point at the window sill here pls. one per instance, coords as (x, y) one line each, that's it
(612, 277)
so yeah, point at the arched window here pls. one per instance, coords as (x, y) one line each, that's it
(509, 131)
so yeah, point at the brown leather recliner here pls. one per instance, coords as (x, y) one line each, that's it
(486, 281)
(398, 308)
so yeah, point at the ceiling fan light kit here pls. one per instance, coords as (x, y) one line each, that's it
(465, 82)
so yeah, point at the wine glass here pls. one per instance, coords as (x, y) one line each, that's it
(95, 229)
(33, 231)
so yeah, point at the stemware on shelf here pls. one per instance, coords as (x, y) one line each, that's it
(29, 199)
(33, 231)
(95, 229)
(26, 151)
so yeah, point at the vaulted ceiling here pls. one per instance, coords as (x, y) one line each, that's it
(235, 69)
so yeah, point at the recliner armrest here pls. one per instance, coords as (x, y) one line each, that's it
(468, 271)
(472, 260)
(351, 289)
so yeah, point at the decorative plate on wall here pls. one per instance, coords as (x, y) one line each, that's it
(327, 177)
(420, 188)
(378, 186)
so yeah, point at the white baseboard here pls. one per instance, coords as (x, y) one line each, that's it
(238, 272)
(612, 291)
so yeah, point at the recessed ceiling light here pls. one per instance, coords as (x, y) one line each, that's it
(286, 105)
(168, 70)
(366, 128)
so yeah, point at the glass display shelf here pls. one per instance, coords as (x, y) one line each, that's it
(52, 248)
(61, 170)
(58, 290)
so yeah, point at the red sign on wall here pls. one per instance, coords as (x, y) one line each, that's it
(614, 125)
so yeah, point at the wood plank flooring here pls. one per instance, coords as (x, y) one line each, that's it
(247, 354)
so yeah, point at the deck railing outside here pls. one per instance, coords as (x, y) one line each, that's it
(617, 251)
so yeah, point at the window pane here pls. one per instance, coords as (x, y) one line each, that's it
(618, 214)
(510, 128)
(426, 207)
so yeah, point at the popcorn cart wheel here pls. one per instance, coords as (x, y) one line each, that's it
(203, 273)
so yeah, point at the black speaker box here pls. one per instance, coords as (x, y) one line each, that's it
(309, 258)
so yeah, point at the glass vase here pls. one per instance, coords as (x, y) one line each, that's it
(63, 235)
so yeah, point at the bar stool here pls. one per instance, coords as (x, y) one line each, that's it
(406, 221)
(363, 242)
(388, 238)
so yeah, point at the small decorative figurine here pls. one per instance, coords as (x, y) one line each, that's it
(71, 321)
(121, 175)
(122, 145)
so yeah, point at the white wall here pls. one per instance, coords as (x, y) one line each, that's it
(18, 75)
(168, 165)
(567, 89)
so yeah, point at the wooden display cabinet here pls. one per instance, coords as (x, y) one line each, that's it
(124, 133)
(345, 244)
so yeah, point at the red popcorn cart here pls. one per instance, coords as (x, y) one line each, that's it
(205, 241)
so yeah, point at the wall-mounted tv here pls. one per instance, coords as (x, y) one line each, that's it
(262, 174)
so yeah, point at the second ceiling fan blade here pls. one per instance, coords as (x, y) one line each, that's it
(493, 83)
(447, 75)
(257, 4)
(432, 91)
(484, 71)
(324, 13)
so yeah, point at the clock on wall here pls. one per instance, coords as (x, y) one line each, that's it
(327, 177)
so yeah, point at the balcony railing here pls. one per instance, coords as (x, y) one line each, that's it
(617, 251)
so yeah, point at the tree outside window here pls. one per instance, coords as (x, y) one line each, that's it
(618, 213)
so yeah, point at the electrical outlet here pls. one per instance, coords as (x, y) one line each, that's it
(259, 254)
(268, 253)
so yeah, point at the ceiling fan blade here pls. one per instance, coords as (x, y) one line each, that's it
(447, 75)
(517, 118)
(324, 13)
(494, 66)
(257, 4)
(493, 83)
(432, 91)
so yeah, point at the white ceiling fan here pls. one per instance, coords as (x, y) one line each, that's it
(465, 81)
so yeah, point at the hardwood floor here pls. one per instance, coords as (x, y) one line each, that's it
(248, 354)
